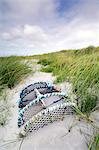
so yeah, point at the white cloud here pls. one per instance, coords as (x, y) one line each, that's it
(70, 36)
(28, 32)
(14, 33)
(35, 33)
(39, 28)
(28, 11)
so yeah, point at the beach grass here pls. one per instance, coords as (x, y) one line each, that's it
(81, 68)
(94, 144)
(12, 71)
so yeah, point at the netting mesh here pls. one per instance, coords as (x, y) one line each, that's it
(41, 106)
(28, 94)
(49, 116)
(29, 113)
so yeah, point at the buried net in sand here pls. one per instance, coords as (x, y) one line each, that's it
(40, 104)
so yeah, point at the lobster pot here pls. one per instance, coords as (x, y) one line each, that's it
(36, 106)
(33, 110)
(41, 104)
(47, 116)
(28, 94)
(31, 87)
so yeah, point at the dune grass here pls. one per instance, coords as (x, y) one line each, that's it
(81, 67)
(94, 144)
(12, 71)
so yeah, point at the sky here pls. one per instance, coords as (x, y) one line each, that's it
(29, 27)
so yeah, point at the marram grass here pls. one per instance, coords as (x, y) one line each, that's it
(94, 144)
(81, 67)
(12, 71)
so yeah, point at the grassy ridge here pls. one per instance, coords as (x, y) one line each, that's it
(12, 70)
(81, 67)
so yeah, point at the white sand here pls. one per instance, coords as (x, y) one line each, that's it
(55, 136)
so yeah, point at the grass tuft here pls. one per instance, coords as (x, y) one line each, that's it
(44, 62)
(94, 145)
(12, 70)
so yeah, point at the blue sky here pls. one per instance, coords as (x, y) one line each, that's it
(65, 5)
(30, 27)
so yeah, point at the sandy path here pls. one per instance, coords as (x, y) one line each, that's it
(52, 137)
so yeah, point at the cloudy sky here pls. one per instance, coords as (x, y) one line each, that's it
(38, 26)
